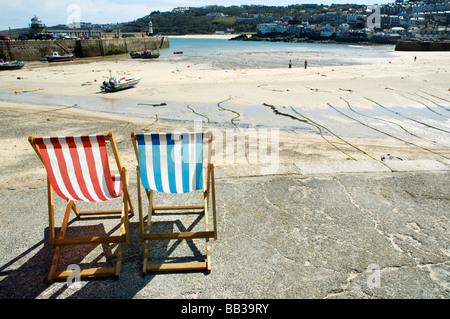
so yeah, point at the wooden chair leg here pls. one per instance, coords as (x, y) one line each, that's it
(54, 265)
(128, 197)
(208, 256)
(148, 230)
(144, 268)
(213, 199)
(119, 261)
(206, 204)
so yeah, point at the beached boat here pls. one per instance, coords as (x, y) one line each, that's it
(11, 65)
(135, 55)
(147, 54)
(113, 85)
(55, 57)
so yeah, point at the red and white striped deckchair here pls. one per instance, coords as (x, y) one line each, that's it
(78, 170)
(173, 163)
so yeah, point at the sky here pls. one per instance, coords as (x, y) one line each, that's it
(18, 13)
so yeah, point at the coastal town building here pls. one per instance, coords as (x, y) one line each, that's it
(420, 20)
(76, 33)
(413, 20)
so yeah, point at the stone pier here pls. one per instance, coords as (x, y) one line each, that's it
(32, 50)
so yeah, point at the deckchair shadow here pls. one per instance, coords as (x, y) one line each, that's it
(78, 170)
(173, 163)
(179, 250)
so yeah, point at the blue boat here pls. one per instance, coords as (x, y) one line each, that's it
(12, 65)
(55, 57)
(147, 54)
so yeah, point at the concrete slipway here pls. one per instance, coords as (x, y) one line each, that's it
(291, 236)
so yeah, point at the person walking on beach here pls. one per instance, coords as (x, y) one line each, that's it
(306, 63)
(290, 64)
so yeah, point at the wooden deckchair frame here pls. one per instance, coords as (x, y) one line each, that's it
(59, 242)
(146, 235)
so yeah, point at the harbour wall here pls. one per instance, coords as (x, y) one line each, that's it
(32, 50)
(422, 46)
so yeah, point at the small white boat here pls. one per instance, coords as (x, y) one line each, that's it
(113, 85)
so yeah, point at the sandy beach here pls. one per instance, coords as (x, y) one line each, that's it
(178, 80)
(282, 97)
(303, 220)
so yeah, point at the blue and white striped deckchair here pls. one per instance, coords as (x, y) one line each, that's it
(174, 163)
(171, 162)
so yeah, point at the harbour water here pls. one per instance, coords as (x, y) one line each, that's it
(225, 54)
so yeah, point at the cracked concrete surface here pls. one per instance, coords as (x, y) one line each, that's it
(288, 236)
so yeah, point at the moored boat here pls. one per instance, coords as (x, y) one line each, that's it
(147, 54)
(55, 57)
(113, 85)
(11, 65)
(135, 55)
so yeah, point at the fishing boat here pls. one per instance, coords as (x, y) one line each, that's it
(11, 65)
(147, 54)
(113, 85)
(135, 55)
(55, 57)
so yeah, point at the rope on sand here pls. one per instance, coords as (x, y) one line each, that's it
(229, 110)
(390, 135)
(189, 107)
(390, 122)
(411, 119)
(317, 126)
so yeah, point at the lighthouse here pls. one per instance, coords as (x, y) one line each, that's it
(150, 28)
(36, 27)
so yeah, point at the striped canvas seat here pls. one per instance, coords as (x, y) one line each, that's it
(171, 162)
(78, 168)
